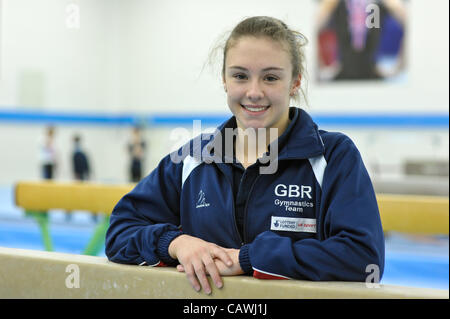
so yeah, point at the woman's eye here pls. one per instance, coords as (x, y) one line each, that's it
(271, 78)
(240, 76)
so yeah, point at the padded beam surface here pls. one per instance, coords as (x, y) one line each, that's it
(38, 274)
(92, 197)
(414, 214)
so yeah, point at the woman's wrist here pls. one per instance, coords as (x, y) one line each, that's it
(172, 248)
(244, 259)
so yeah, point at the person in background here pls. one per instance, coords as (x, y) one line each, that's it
(80, 162)
(80, 167)
(48, 156)
(136, 150)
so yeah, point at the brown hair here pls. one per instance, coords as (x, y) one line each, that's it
(263, 26)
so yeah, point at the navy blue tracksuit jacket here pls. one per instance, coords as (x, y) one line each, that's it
(316, 218)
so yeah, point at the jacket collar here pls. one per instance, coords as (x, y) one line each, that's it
(300, 140)
(304, 140)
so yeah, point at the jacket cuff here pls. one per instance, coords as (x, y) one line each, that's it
(244, 259)
(162, 250)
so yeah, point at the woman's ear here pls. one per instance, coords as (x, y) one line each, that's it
(224, 84)
(296, 82)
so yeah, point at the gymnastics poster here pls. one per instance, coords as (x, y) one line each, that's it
(361, 40)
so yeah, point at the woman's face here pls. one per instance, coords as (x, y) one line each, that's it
(258, 81)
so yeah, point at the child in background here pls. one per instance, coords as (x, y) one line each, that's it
(80, 168)
(80, 162)
(48, 156)
(136, 150)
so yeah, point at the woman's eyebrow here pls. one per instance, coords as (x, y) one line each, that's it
(271, 68)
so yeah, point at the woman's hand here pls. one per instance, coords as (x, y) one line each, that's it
(225, 270)
(197, 258)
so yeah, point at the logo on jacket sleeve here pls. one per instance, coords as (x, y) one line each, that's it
(201, 202)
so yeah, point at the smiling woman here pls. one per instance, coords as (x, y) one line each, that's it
(292, 43)
(209, 215)
(262, 70)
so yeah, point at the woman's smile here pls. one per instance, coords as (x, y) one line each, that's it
(255, 109)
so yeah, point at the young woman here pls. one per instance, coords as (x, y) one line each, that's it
(312, 216)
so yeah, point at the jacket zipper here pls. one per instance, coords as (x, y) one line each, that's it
(245, 210)
(234, 212)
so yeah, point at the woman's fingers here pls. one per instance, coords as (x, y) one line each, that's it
(211, 269)
(180, 268)
(201, 276)
(190, 274)
(222, 254)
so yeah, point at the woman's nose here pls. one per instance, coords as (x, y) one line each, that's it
(255, 91)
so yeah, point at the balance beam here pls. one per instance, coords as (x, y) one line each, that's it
(38, 274)
(428, 215)
(92, 197)
(37, 198)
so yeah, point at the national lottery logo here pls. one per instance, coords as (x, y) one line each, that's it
(306, 225)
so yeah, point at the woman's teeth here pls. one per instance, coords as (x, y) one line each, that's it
(255, 108)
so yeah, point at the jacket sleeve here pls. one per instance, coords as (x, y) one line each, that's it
(146, 220)
(352, 234)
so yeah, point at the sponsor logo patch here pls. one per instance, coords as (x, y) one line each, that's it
(307, 225)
